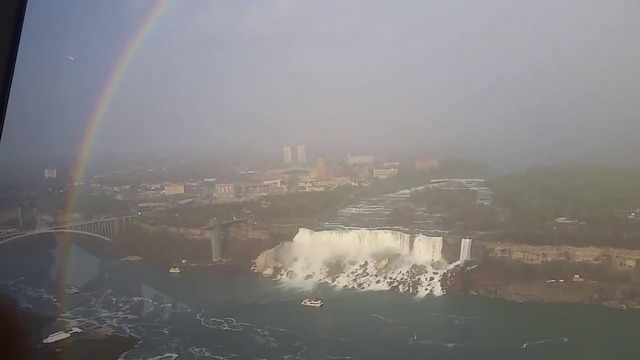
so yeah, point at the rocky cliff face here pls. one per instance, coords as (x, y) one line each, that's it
(616, 258)
(242, 242)
(191, 233)
(279, 233)
(240, 232)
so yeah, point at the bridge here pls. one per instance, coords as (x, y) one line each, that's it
(108, 228)
(103, 228)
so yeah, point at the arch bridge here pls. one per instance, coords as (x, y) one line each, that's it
(103, 228)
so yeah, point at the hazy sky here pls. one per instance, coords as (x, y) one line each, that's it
(537, 79)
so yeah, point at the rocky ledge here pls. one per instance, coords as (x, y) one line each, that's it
(496, 281)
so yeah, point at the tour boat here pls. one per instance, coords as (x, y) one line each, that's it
(60, 335)
(57, 336)
(174, 270)
(313, 302)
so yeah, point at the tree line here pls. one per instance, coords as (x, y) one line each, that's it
(600, 200)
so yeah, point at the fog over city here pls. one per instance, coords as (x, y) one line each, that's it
(328, 179)
(518, 82)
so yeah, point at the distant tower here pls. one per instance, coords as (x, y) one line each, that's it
(216, 240)
(286, 151)
(302, 156)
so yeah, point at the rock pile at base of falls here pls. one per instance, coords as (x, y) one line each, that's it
(266, 264)
(381, 264)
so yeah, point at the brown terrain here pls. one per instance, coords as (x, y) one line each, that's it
(547, 282)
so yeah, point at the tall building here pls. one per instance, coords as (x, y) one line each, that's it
(302, 155)
(322, 172)
(50, 173)
(286, 151)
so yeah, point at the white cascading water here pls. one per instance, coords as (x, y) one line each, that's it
(465, 250)
(427, 249)
(363, 259)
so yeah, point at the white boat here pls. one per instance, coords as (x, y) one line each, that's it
(313, 302)
(57, 336)
(60, 335)
(72, 290)
(174, 270)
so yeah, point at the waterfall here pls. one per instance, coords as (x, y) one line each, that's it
(352, 244)
(363, 259)
(465, 250)
(427, 248)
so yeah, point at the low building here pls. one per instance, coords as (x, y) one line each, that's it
(225, 191)
(246, 189)
(322, 185)
(271, 187)
(184, 202)
(385, 173)
(174, 189)
(152, 207)
(308, 186)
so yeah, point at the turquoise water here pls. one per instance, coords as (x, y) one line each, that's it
(226, 314)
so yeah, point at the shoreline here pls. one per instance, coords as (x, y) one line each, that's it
(513, 280)
(477, 282)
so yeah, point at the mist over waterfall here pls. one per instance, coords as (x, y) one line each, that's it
(364, 259)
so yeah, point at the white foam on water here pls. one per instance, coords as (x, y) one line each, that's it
(540, 342)
(126, 314)
(164, 357)
(363, 259)
(414, 340)
(381, 317)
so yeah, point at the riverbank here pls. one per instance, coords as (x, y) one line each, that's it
(508, 271)
(496, 280)
(27, 329)
(107, 347)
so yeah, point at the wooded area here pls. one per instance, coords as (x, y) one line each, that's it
(599, 201)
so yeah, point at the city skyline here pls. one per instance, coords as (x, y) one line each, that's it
(476, 85)
(300, 154)
(322, 179)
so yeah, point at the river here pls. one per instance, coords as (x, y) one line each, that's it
(226, 313)
(222, 315)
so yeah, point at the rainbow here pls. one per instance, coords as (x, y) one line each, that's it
(102, 105)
